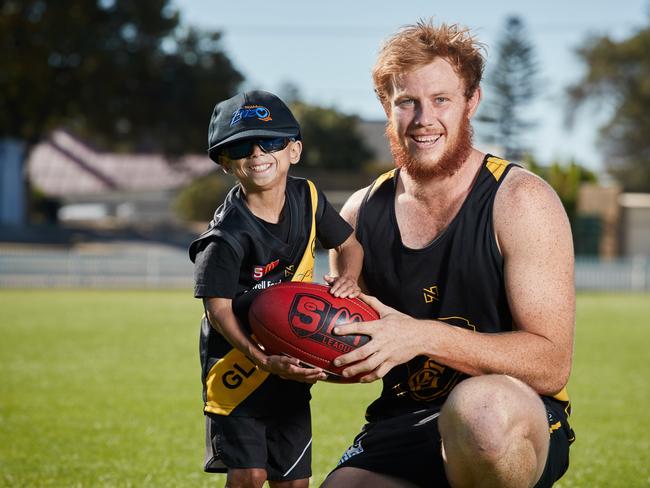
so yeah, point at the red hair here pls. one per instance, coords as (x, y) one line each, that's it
(417, 45)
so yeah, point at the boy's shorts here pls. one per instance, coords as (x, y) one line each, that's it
(408, 447)
(279, 444)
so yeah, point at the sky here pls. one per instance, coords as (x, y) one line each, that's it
(327, 49)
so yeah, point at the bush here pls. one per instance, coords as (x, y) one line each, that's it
(42, 208)
(199, 200)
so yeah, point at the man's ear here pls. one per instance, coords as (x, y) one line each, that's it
(295, 150)
(473, 102)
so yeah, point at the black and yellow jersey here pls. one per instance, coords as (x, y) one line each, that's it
(458, 279)
(232, 383)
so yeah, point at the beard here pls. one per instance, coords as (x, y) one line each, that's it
(447, 165)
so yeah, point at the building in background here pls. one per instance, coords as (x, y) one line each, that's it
(12, 183)
(139, 190)
(121, 188)
(635, 224)
(611, 223)
(597, 227)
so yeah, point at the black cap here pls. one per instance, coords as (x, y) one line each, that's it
(249, 115)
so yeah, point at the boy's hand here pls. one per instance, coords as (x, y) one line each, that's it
(291, 369)
(343, 286)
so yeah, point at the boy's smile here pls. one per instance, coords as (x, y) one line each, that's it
(264, 170)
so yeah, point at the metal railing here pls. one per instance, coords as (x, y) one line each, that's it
(28, 268)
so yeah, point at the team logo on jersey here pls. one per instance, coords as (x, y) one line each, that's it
(233, 378)
(431, 294)
(260, 271)
(427, 379)
(250, 112)
(311, 317)
(263, 285)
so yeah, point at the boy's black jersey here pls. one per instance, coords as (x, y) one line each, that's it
(457, 279)
(232, 383)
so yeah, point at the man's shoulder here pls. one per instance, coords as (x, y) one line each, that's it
(525, 206)
(356, 199)
(524, 187)
(350, 209)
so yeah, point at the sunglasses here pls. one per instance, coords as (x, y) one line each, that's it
(245, 148)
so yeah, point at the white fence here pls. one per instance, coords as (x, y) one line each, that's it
(631, 274)
(173, 269)
(144, 269)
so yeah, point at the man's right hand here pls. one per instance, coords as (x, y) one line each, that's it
(394, 339)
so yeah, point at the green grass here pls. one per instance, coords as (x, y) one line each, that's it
(102, 388)
(610, 392)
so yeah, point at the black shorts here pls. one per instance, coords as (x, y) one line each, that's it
(279, 444)
(408, 447)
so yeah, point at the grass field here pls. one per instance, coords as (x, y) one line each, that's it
(102, 388)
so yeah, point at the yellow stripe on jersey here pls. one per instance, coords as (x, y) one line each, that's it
(230, 381)
(305, 270)
(496, 166)
(377, 183)
(554, 427)
(234, 377)
(563, 395)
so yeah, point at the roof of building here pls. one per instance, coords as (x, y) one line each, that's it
(64, 166)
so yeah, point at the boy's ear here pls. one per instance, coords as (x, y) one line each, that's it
(224, 162)
(295, 150)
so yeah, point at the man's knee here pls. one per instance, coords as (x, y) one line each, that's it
(485, 415)
(361, 478)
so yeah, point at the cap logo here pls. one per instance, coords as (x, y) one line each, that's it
(250, 111)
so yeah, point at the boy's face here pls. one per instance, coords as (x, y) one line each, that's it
(262, 170)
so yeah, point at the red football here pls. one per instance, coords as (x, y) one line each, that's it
(296, 319)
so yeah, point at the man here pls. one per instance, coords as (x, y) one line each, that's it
(471, 263)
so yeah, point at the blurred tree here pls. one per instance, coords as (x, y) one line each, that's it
(565, 180)
(331, 139)
(43, 209)
(122, 73)
(512, 87)
(618, 79)
(198, 201)
(289, 92)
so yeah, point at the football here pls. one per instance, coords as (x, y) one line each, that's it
(296, 319)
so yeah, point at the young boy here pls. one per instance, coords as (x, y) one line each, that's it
(258, 424)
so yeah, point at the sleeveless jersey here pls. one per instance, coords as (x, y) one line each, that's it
(457, 278)
(232, 385)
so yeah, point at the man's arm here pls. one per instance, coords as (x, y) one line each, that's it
(337, 261)
(534, 236)
(349, 262)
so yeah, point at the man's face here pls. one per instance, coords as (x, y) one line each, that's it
(429, 129)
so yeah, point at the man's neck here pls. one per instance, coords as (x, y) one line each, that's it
(423, 209)
(444, 188)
